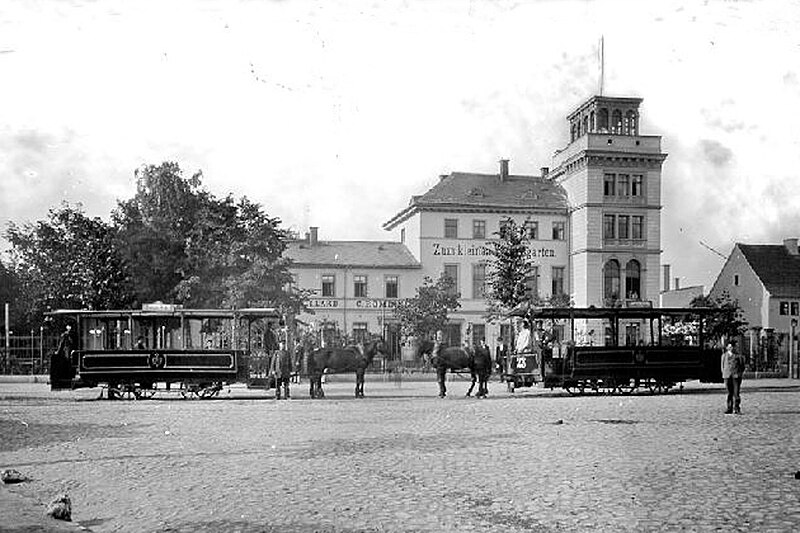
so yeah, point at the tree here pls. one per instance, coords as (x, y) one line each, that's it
(68, 261)
(728, 322)
(426, 313)
(510, 269)
(188, 246)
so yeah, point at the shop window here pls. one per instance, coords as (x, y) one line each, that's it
(558, 231)
(391, 286)
(360, 286)
(479, 280)
(328, 285)
(450, 228)
(478, 229)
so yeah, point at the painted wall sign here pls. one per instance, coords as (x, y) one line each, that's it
(482, 250)
(361, 303)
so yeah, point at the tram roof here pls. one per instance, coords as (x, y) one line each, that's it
(526, 310)
(254, 312)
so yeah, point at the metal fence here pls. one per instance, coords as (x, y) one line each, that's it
(27, 354)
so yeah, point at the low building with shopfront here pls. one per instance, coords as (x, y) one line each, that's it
(354, 286)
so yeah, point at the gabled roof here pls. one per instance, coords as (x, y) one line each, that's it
(777, 269)
(364, 254)
(463, 190)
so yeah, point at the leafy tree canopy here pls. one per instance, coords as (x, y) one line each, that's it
(729, 323)
(67, 261)
(427, 312)
(186, 245)
(509, 269)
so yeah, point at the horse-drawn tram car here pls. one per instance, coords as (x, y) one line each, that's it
(615, 350)
(136, 353)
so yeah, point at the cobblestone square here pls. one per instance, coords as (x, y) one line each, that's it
(402, 460)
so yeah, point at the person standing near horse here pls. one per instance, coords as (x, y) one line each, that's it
(732, 371)
(280, 368)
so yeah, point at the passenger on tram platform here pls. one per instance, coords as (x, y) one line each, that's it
(523, 341)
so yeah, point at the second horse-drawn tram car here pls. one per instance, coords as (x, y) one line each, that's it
(615, 350)
(163, 347)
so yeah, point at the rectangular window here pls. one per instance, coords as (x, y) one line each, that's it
(624, 185)
(360, 286)
(478, 229)
(479, 280)
(609, 227)
(637, 227)
(391, 286)
(623, 226)
(736, 279)
(637, 185)
(558, 231)
(532, 229)
(451, 228)
(558, 281)
(328, 285)
(360, 332)
(451, 271)
(532, 283)
(609, 185)
(784, 308)
(402, 235)
(478, 334)
(795, 308)
(503, 227)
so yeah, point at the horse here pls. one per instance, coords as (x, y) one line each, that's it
(353, 358)
(478, 361)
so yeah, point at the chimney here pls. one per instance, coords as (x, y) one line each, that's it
(791, 246)
(503, 169)
(666, 270)
(545, 171)
(677, 284)
(313, 236)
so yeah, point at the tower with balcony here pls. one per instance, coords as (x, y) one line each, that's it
(612, 176)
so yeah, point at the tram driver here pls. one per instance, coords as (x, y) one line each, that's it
(523, 341)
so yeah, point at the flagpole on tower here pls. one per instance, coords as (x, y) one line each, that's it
(602, 64)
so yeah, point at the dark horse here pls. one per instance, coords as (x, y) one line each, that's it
(348, 359)
(478, 361)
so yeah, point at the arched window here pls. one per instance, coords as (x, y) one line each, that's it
(611, 280)
(616, 121)
(630, 123)
(591, 122)
(602, 120)
(585, 125)
(633, 280)
(572, 133)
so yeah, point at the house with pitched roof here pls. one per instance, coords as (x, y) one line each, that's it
(355, 285)
(765, 280)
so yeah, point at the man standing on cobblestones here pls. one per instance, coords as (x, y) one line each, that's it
(732, 372)
(280, 368)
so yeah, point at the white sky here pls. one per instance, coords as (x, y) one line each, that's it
(334, 113)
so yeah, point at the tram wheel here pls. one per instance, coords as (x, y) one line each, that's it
(125, 391)
(626, 388)
(146, 391)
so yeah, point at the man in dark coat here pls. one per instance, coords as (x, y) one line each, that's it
(280, 368)
(501, 356)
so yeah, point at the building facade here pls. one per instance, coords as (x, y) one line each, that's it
(764, 279)
(593, 223)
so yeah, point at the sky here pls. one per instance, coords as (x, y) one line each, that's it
(333, 114)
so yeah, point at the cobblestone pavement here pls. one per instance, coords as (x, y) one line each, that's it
(402, 460)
